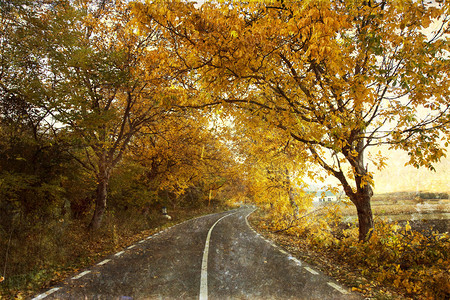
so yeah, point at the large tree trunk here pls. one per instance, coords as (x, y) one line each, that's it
(363, 194)
(365, 217)
(100, 205)
(100, 198)
(361, 198)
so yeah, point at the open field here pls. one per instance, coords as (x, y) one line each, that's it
(423, 214)
(404, 207)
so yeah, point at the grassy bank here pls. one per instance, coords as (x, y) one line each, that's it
(397, 263)
(43, 255)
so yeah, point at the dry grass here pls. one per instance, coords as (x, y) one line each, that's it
(404, 207)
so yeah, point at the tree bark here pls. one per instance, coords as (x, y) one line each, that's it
(365, 217)
(363, 194)
(293, 203)
(100, 205)
(100, 197)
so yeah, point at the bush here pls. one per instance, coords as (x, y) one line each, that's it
(406, 261)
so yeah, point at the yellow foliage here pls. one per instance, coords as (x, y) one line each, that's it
(330, 75)
(396, 256)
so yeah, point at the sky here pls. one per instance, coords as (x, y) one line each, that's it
(396, 177)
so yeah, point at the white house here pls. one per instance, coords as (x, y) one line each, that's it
(324, 196)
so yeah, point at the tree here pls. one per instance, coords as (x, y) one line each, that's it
(336, 76)
(97, 79)
(274, 165)
(185, 152)
(32, 163)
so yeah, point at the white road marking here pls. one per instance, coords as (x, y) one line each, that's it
(337, 287)
(282, 251)
(246, 220)
(51, 291)
(311, 271)
(103, 262)
(81, 275)
(298, 262)
(295, 260)
(42, 296)
(204, 270)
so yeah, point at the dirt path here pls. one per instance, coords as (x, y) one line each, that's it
(216, 256)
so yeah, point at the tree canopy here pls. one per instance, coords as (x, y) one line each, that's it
(337, 77)
(88, 82)
(322, 80)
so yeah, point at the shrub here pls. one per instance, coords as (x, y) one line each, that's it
(406, 261)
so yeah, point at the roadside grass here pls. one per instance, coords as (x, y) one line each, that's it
(41, 256)
(396, 263)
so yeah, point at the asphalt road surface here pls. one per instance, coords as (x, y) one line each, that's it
(212, 257)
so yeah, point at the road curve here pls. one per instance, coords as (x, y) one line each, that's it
(216, 256)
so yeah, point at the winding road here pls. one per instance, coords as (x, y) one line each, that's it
(217, 256)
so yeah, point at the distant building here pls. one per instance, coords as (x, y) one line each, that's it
(324, 196)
